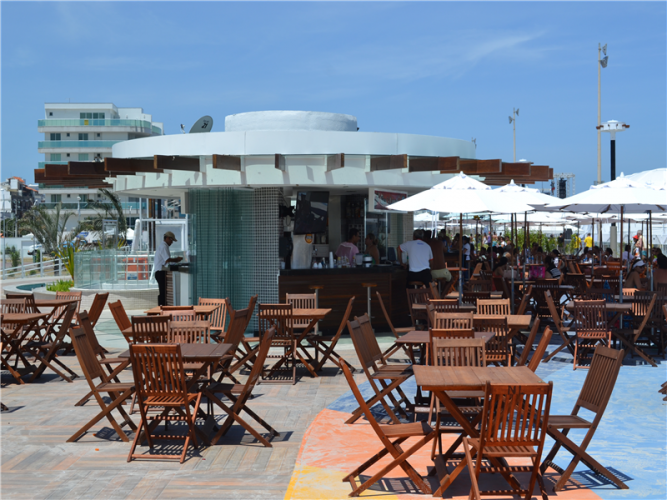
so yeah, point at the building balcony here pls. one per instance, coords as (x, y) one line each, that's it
(75, 146)
(128, 206)
(42, 163)
(136, 126)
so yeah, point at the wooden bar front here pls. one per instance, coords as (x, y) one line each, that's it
(342, 283)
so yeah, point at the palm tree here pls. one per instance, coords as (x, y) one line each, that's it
(111, 209)
(47, 226)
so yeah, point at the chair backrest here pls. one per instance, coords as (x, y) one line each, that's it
(473, 297)
(348, 311)
(278, 316)
(434, 290)
(540, 349)
(189, 332)
(366, 347)
(525, 300)
(480, 286)
(418, 295)
(218, 318)
(661, 287)
(450, 333)
(445, 305)
(384, 311)
(552, 308)
(251, 309)
(301, 301)
(119, 314)
(498, 345)
(76, 296)
(97, 307)
(158, 371)
(183, 315)
(529, 343)
(87, 326)
(452, 320)
(30, 306)
(515, 416)
(501, 286)
(590, 315)
(238, 320)
(85, 353)
(448, 287)
(149, 329)
(258, 364)
(493, 306)
(600, 381)
(458, 352)
(12, 306)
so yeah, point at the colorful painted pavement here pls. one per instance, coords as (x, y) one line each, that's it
(630, 441)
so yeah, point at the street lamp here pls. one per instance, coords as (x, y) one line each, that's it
(602, 63)
(78, 206)
(613, 126)
(515, 113)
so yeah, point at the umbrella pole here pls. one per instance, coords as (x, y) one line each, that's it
(525, 238)
(620, 274)
(512, 267)
(491, 239)
(460, 258)
(648, 248)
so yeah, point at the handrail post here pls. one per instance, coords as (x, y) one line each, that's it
(41, 264)
(22, 265)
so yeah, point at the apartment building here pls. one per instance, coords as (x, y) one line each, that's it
(85, 132)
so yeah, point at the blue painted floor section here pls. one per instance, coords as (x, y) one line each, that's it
(631, 439)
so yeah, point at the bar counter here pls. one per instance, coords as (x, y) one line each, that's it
(339, 284)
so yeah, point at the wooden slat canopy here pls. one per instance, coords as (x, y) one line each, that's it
(495, 172)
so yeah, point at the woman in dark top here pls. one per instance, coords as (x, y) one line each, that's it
(551, 268)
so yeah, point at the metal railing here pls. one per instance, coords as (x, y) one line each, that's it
(51, 267)
(113, 269)
(85, 205)
(57, 122)
(76, 144)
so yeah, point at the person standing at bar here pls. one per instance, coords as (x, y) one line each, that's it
(420, 257)
(438, 267)
(372, 248)
(348, 249)
(160, 261)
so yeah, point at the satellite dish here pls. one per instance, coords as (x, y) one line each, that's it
(204, 124)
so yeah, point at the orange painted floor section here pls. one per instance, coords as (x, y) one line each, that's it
(330, 450)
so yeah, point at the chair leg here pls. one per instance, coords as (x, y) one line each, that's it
(472, 470)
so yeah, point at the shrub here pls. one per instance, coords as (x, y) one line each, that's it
(60, 286)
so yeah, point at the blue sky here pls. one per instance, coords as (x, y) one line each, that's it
(437, 68)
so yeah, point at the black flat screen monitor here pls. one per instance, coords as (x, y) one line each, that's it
(311, 212)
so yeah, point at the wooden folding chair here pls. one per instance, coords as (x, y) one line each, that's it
(399, 433)
(500, 285)
(528, 346)
(514, 424)
(97, 307)
(159, 379)
(377, 371)
(119, 315)
(149, 330)
(480, 286)
(642, 309)
(594, 396)
(218, 319)
(493, 307)
(301, 301)
(12, 306)
(434, 290)
(46, 352)
(418, 296)
(540, 349)
(86, 325)
(525, 301)
(449, 321)
(653, 334)
(590, 320)
(325, 344)
(391, 350)
(473, 296)
(450, 333)
(189, 332)
(246, 351)
(234, 360)
(497, 348)
(445, 305)
(559, 326)
(73, 296)
(239, 394)
(182, 315)
(279, 316)
(118, 392)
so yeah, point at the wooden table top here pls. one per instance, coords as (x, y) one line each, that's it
(462, 307)
(197, 352)
(421, 337)
(513, 320)
(204, 310)
(465, 378)
(611, 306)
(455, 294)
(53, 302)
(306, 313)
(21, 318)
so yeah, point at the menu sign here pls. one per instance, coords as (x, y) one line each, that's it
(380, 199)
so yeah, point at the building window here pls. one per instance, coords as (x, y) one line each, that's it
(99, 135)
(68, 195)
(55, 156)
(83, 156)
(67, 134)
(91, 116)
(56, 198)
(67, 155)
(55, 137)
(83, 197)
(83, 137)
(50, 113)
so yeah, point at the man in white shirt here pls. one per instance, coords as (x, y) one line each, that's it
(160, 261)
(419, 256)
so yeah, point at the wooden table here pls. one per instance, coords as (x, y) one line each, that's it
(13, 337)
(202, 312)
(312, 315)
(421, 337)
(515, 322)
(440, 379)
(174, 324)
(612, 307)
(461, 307)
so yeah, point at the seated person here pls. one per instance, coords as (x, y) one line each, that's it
(634, 280)
(500, 267)
(552, 270)
(660, 272)
(625, 256)
(608, 254)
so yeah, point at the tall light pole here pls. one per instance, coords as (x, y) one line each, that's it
(602, 63)
(613, 126)
(515, 113)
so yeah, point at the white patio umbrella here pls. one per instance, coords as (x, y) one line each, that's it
(461, 194)
(656, 178)
(622, 195)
